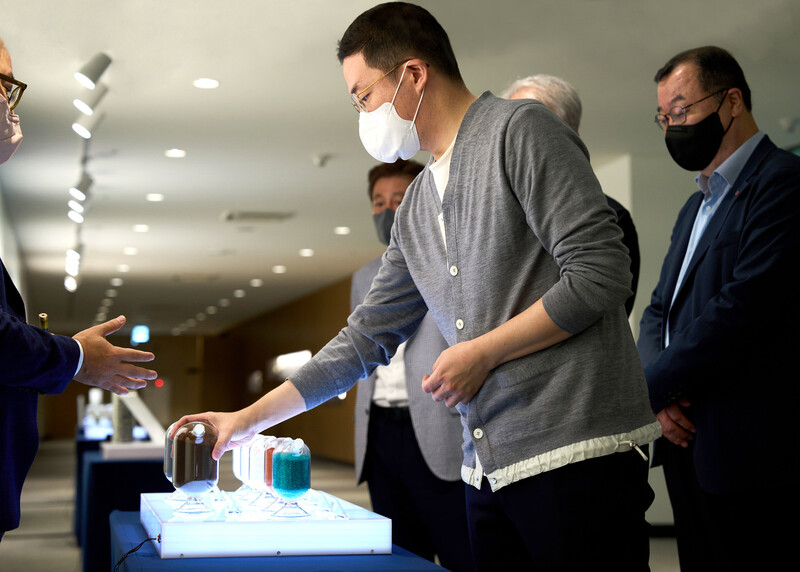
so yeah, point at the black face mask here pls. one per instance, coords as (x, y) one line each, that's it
(383, 225)
(693, 147)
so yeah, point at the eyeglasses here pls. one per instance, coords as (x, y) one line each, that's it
(13, 89)
(678, 113)
(358, 102)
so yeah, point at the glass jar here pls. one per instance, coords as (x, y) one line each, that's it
(291, 475)
(194, 471)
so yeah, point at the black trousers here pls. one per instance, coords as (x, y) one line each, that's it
(428, 514)
(749, 530)
(587, 515)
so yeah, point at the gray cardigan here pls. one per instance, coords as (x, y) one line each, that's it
(524, 219)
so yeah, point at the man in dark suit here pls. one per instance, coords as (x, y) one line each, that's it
(718, 339)
(33, 361)
(407, 446)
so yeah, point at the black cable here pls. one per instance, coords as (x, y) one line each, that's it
(132, 550)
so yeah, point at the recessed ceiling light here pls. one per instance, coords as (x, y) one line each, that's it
(75, 217)
(256, 282)
(239, 293)
(279, 269)
(191, 323)
(224, 303)
(200, 316)
(130, 251)
(70, 283)
(176, 331)
(141, 228)
(111, 293)
(205, 83)
(175, 153)
(154, 197)
(76, 206)
(116, 282)
(341, 230)
(107, 302)
(123, 268)
(306, 252)
(211, 310)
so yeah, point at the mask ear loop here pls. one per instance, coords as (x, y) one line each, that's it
(416, 111)
(418, 104)
(405, 67)
(724, 133)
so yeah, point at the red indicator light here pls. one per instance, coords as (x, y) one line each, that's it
(159, 382)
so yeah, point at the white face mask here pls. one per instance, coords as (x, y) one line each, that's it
(10, 132)
(387, 136)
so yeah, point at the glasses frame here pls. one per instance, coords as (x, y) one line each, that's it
(14, 96)
(662, 119)
(358, 102)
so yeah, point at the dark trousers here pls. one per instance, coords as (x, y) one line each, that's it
(428, 514)
(750, 530)
(587, 515)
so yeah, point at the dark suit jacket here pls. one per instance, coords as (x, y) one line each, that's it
(734, 327)
(631, 241)
(31, 362)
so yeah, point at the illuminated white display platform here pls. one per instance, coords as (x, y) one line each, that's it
(334, 526)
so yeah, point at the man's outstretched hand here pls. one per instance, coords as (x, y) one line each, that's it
(105, 365)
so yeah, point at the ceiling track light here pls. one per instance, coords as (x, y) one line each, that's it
(81, 189)
(88, 101)
(86, 125)
(89, 74)
(70, 283)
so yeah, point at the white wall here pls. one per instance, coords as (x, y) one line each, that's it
(615, 178)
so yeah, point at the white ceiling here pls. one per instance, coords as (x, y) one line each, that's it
(281, 101)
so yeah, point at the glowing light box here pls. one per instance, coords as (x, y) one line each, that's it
(354, 530)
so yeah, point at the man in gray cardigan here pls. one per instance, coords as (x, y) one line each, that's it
(407, 446)
(506, 239)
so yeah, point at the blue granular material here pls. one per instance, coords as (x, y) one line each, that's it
(291, 474)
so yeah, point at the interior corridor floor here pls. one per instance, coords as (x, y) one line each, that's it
(44, 542)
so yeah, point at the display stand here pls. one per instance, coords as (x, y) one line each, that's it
(334, 526)
(128, 554)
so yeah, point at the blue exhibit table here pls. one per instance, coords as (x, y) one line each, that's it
(127, 533)
(106, 485)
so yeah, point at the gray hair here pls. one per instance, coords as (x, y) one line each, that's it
(554, 92)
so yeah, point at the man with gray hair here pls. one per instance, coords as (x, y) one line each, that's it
(562, 99)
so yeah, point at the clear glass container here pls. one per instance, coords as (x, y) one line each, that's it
(260, 470)
(194, 471)
(291, 476)
(168, 453)
(177, 498)
(240, 465)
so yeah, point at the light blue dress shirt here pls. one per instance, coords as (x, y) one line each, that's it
(714, 189)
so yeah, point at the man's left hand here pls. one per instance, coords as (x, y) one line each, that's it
(675, 426)
(457, 374)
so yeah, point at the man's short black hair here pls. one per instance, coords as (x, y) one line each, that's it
(399, 168)
(717, 69)
(390, 33)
